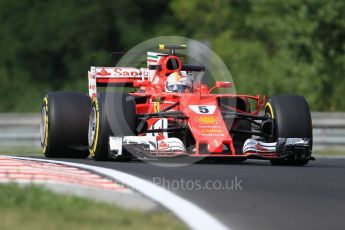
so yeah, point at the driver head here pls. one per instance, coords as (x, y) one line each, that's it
(178, 83)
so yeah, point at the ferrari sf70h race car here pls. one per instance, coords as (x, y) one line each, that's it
(167, 114)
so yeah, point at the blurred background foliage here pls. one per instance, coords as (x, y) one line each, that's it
(271, 46)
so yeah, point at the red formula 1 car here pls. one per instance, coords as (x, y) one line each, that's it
(170, 115)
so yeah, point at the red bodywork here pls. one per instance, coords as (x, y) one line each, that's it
(209, 130)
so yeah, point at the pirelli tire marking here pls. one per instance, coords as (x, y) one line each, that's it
(93, 145)
(44, 125)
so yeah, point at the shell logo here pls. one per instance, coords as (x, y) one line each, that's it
(207, 120)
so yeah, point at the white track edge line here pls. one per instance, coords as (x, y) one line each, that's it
(192, 215)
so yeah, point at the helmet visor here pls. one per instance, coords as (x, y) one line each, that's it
(177, 88)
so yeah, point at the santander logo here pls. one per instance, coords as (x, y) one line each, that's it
(125, 72)
(103, 72)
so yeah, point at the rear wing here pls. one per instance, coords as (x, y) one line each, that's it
(114, 76)
(121, 76)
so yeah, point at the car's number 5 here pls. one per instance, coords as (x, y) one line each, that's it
(203, 109)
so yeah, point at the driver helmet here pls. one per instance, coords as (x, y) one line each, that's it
(178, 82)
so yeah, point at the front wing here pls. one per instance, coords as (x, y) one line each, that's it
(142, 147)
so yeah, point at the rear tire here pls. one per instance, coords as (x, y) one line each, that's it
(64, 125)
(291, 118)
(112, 114)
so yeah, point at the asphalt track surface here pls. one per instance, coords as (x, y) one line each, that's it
(266, 197)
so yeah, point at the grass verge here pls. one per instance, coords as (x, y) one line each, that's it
(33, 207)
(21, 151)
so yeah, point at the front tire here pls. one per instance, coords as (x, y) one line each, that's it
(112, 114)
(64, 124)
(292, 119)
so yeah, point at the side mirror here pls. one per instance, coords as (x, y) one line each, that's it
(141, 83)
(221, 84)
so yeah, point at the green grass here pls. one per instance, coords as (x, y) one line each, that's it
(32, 207)
(21, 151)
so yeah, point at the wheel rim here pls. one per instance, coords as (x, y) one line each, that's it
(92, 126)
(43, 125)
